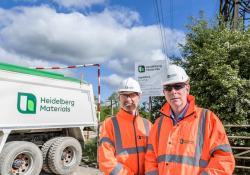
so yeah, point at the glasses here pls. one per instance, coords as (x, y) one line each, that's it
(175, 86)
(132, 95)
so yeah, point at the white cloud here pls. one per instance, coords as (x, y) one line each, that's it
(112, 80)
(21, 60)
(114, 37)
(124, 16)
(144, 43)
(7, 57)
(79, 3)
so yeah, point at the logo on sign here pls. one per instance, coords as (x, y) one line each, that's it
(141, 68)
(26, 103)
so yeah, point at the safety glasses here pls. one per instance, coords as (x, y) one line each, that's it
(131, 95)
(177, 86)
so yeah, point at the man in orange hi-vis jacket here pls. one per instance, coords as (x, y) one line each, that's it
(186, 139)
(123, 138)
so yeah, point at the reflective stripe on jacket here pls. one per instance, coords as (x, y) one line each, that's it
(119, 146)
(196, 145)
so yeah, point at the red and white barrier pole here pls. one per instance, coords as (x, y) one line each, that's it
(79, 66)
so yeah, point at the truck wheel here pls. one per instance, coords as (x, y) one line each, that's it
(64, 155)
(20, 158)
(45, 150)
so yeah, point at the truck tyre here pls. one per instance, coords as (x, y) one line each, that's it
(64, 155)
(20, 158)
(45, 150)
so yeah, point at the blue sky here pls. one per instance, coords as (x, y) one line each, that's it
(113, 33)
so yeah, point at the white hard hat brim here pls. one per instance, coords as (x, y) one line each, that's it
(174, 82)
(126, 91)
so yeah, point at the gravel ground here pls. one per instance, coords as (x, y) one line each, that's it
(87, 171)
(83, 171)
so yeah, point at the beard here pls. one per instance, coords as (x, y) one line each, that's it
(129, 107)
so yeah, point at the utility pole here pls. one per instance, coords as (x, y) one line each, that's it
(150, 106)
(235, 12)
(112, 108)
(236, 15)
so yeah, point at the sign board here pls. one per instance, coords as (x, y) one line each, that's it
(150, 75)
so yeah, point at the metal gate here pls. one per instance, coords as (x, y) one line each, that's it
(239, 137)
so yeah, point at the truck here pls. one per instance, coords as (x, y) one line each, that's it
(42, 118)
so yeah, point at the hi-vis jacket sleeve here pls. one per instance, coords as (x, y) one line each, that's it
(222, 160)
(108, 163)
(151, 165)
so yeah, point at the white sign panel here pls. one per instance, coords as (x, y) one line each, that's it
(150, 75)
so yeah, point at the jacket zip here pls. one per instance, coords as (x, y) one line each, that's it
(138, 161)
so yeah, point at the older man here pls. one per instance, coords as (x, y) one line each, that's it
(123, 138)
(186, 139)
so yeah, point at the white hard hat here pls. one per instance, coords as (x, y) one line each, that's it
(129, 85)
(175, 74)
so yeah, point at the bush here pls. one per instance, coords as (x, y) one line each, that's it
(90, 151)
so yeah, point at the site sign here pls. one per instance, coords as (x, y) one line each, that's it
(150, 75)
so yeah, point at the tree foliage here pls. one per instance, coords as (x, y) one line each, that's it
(90, 151)
(156, 104)
(217, 61)
(106, 110)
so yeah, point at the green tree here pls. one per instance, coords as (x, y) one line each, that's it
(106, 109)
(114, 98)
(156, 104)
(90, 152)
(217, 60)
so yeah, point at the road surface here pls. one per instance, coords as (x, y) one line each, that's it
(83, 171)
(87, 171)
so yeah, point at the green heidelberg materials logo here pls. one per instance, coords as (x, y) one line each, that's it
(26, 103)
(141, 68)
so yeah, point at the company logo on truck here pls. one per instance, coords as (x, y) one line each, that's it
(26, 103)
(50, 104)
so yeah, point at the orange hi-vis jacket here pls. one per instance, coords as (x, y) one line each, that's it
(123, 144)
(196, 145)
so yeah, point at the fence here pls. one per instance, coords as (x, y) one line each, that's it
(240, 141)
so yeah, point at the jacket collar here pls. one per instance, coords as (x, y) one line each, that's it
(165, 110)
(125, 115)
